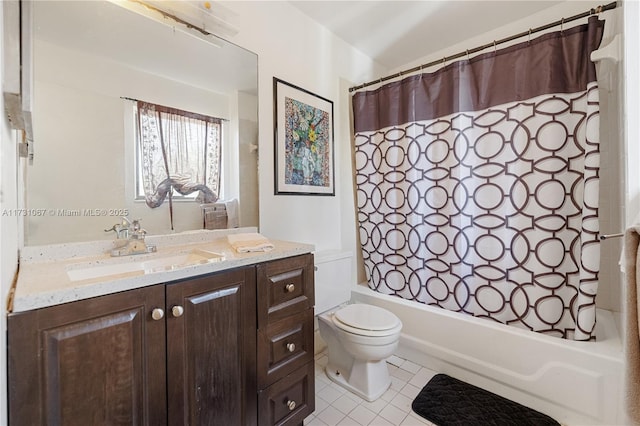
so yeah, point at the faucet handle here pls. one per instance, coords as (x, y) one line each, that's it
(137, 231)
(115, 228)
(135, 224)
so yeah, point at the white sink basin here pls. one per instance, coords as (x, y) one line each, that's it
(147, 266)
(194, 257)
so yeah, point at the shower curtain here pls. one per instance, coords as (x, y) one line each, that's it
(477, 185)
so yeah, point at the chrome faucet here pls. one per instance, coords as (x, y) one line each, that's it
(121, 229)
(134, 238)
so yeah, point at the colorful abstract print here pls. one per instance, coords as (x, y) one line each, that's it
(307, 145)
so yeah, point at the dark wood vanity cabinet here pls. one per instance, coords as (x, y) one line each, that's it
(285, 341)
(93, 362)
(178, 354)
(228, 348)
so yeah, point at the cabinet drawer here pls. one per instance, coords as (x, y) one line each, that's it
(284, 346)
(285, 287)
(290, 400)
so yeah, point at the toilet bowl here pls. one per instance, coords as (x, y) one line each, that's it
(360, 338)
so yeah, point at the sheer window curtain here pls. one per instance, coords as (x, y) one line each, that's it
(178, 151)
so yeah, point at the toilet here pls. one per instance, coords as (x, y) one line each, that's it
(359, 337)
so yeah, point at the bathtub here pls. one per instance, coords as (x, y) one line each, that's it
(577, 383)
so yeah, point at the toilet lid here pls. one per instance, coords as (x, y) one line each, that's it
(367, 317)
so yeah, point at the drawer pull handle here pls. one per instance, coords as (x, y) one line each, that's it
(291, 347)
(290, 288)
(157, 314)
(291, 404)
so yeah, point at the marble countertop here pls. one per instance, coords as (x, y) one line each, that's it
(43, 279)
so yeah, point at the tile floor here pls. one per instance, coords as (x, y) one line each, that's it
(336, 406)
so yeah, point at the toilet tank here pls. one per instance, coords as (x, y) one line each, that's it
(332, 279)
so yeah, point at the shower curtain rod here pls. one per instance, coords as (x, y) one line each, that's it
(468, 52)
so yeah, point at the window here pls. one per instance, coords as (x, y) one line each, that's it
(178, 154)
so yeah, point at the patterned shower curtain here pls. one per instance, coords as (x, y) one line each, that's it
(477, 185)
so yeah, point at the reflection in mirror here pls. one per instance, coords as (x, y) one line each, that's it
(88, 57)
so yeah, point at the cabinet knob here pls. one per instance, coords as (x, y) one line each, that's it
(291, 347)
(157, 314)
(291, 404)
(290, 287)
(177, 311)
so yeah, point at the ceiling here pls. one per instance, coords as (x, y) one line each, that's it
(395, 33)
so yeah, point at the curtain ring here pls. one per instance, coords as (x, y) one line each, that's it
(494, 46)
(467, 54)
(444, 61)
(599, 10)
(562, 26)
(529, 35)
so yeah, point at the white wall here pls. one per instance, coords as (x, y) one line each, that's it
(9, 234)
(632, 109)
(8, 243)
(612, 165)
(294, 48)
(631, 119)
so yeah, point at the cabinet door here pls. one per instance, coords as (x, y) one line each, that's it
(99, 361)
(211, 350)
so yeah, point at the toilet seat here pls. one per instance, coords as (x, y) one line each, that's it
(366, 320)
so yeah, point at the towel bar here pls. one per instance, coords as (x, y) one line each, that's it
(607, 236)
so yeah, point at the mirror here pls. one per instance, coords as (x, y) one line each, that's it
(88, 57)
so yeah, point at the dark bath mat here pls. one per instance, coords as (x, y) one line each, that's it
(446, 401)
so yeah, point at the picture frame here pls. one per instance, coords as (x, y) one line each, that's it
(304, 145)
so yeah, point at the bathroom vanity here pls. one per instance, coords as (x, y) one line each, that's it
(224, 342)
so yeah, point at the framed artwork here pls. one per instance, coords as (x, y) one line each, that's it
(303, 126)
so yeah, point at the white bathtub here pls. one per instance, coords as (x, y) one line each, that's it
(577, 383)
